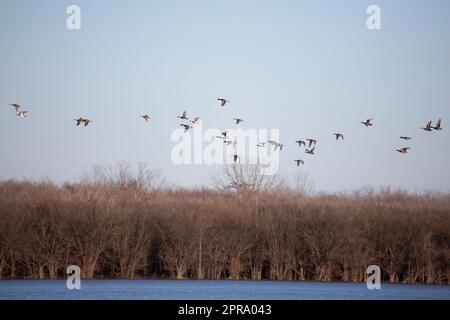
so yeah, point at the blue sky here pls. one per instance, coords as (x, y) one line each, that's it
(308, 68)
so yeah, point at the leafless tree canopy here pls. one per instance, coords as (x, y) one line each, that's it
(302, 184)
(245, 178)
(124, 175)
(117, 225)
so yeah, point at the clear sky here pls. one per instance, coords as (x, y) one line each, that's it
(308, 68)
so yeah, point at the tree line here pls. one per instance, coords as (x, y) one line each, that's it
(117, 225)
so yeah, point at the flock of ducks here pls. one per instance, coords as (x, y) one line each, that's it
(309, 144)
(429, 127)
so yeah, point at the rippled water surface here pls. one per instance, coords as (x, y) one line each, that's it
(213, 290)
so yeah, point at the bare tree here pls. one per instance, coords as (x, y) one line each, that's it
(215, 252)
(46, 245)
(281, 245)
(178, 242)
(243, 178)
(302, 183)
(125, 176)
(321, 235)
(130, 241)
(89, 230)
(121, 229)
(237, 244)
(11, 227)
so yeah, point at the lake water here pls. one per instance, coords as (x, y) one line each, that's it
(213, 290)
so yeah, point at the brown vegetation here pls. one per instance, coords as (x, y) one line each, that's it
(116, 225)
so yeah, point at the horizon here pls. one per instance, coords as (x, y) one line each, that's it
(159, 183)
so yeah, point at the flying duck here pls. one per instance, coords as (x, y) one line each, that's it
(278, 145)
(261, 144)
(427, 127)
(183, 116)
(146, 117)
(223, 101)
(438, 125)
(223, 135)
(299, 162)
(186, 127)
(195, 120)
(310, 151)
(311, 142)
(368, 122)
(403, 150)
(21, 114)
(79, 120)
(230, 142)
(16, 106)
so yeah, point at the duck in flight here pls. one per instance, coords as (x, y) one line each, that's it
(223, 101)
(339, 136)
(427, 127)
(405, 138)
(230, 142)
(275, 144)
(403, 150)
(223, 135)
(79, 121)
(16, 106)
(146, 117)
(186, 127)
(311, 142)
(195, 120)
(278, 145)
(438, 125)
(310, 151)
(299, 162)
(82, 120)
(183, 116)
(238, 120)
(261, 144)
(21, 114)
(368, 122)
(300, 143)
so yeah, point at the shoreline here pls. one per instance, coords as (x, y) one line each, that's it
(236, 280)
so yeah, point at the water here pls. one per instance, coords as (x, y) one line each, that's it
(213, 290)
